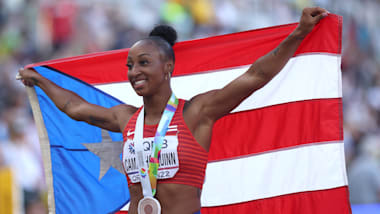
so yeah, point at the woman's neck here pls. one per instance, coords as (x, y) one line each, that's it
(154, 106)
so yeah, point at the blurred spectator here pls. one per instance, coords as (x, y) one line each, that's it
(364, 173)
(20, 155)
(61, 15)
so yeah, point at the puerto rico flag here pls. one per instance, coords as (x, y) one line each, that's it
(280, 151)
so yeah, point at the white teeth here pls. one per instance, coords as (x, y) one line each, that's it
(139, 82)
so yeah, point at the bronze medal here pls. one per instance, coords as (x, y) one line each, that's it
(149, 205)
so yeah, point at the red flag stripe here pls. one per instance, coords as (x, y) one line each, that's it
(316, 202)
(276, 127)
(205, 54)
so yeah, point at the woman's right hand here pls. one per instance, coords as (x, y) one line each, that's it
(112, 119)
(28, 76)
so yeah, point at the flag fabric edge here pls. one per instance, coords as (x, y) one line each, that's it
(44, 144)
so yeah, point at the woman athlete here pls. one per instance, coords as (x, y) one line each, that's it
(150, 64)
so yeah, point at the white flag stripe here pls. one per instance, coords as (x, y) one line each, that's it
(314, 167)
(303, 78)
(126, 207)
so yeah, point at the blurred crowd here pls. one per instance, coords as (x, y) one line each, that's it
(38, 30)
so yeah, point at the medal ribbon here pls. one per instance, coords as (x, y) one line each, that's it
(167, 116)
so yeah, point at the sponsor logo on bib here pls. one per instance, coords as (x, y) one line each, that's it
(168, 165)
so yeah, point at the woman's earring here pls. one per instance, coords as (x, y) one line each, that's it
(167, 76)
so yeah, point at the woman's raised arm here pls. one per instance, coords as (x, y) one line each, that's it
(217, 103)
(112, 119)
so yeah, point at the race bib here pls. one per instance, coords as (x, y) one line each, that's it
(169, 163)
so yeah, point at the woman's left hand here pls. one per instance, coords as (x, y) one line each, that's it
(310, 17)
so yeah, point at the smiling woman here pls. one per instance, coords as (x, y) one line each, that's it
(171, 169)
(150, 63)
(147, 57)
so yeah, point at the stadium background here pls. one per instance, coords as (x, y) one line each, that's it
(38, 30)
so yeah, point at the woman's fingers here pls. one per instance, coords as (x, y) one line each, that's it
(25, 75)
(310, 17)
(318, 13)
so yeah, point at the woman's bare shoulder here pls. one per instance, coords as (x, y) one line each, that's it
(123, 114)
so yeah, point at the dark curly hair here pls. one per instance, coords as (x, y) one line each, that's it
(164, 37)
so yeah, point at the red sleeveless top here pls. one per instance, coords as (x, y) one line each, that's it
(192, 156)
